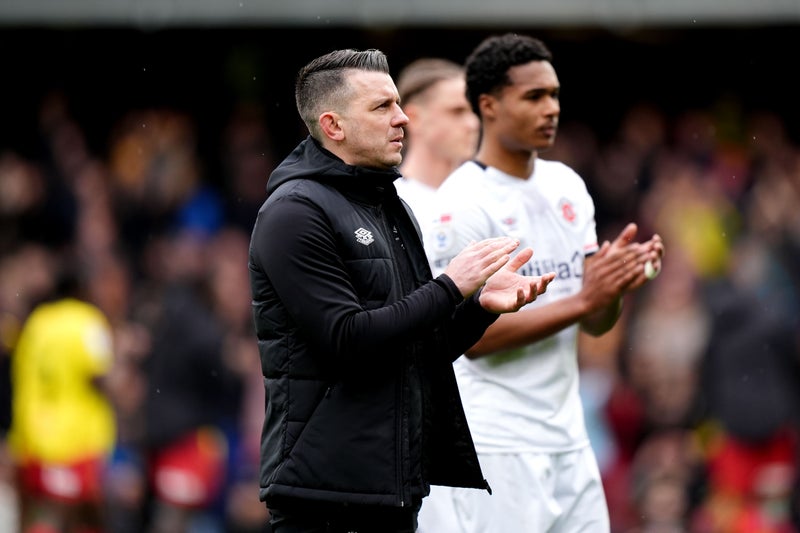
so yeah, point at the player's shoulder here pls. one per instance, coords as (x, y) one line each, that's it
(62, 309)
(77, 312)
(467, 172)
(559, 175)
(464, 182)
(556, 168)
(402, 183)
(66, 314)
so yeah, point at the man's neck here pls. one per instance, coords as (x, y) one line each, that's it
(514, 163)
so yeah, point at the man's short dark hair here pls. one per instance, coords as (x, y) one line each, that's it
(322, 81)
(488, 65)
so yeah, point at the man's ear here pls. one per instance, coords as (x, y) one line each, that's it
(487, 103)
(330, 124)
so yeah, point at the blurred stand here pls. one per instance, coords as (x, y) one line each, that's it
(690, 399)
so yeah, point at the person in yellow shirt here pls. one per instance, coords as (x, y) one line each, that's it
(63, 424)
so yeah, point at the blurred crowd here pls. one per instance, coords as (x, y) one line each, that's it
(693, 399)
(164, 255)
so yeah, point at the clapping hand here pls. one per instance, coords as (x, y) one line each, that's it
(507, 291)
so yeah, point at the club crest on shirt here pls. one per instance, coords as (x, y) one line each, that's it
(567, 211)
(441, 234)
(364, 236)
(509, 224)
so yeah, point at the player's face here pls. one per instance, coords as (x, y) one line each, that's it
(443, 120)
(528, 109)
(373, 121)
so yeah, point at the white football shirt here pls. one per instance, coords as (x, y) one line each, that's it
(523, 400)
(419, 197)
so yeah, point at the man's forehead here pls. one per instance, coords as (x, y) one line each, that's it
(372, 85)
(357, 76)
(536, 74)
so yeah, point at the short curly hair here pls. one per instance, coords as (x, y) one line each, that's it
(488, 65)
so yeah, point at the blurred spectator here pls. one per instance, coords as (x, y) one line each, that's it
(247, 158)
(751, 399)
(9, 499)
(193, 385)
(664, 474)
(657, 381)
(229, 284)
(27, 276)
(666, 341)
(692, 213)
(623, 169)
(157, 178)
(24, 214)
(63, 426)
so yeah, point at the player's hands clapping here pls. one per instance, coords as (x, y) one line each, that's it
(470, 269)
(489, 262)
(507, 291)
(619, 266)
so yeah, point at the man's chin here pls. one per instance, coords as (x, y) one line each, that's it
(394, 161)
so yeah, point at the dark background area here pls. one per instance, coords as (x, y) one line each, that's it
(207, 72)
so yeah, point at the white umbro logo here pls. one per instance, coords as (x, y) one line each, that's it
(364, 236)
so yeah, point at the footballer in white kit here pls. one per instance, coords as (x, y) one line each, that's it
(519, 382)
(522, 405)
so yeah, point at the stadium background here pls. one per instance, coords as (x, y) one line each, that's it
(677, 55)
(728, 60)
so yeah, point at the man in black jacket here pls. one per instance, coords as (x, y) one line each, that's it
(356, 339)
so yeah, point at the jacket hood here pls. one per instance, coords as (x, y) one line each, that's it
(309, 160)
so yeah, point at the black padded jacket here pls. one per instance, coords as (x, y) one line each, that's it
(356, 342)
